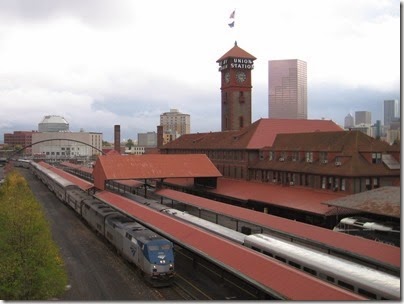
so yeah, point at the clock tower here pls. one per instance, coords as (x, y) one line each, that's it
(235, 67)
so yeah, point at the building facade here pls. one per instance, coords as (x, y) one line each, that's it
(20, 138)
(349, 121)
(287, 89)
(391, 111)
(336, 160)
(344, 161)
(175, 124)
(363, 118)
(148, 139)
(66, 145)
(235, 67)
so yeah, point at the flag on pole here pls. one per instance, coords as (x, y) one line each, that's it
(232, 15)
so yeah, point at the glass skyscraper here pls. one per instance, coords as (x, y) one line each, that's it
(287, 89)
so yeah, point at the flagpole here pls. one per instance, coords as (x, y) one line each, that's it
(232, 24)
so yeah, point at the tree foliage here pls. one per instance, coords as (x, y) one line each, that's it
(31, 267)
(129, 144)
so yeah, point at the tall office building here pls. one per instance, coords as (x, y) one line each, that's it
(391, 111)
(287, 89)
(348, 121)
(363, 117)
(175, 123)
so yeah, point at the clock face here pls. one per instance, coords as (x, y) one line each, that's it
(227, 77)
(241, 77)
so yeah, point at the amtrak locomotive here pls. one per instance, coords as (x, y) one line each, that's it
(361, 279)
(151, 253)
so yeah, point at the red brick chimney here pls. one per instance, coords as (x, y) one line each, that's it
(117, 138)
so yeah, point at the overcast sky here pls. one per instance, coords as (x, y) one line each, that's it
(99, 63)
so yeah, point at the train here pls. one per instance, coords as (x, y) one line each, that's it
(380, 231)
(121, 231)
(151, 253)
(363, 280)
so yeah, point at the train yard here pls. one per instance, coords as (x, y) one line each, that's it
(209, 274)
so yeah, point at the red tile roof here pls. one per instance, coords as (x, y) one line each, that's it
(293, 197)
(269, 274)
(384, 201)
(145, 166)
(261, 133)
(347, 145)
(377, 251)
(82, 184)
(236, 52)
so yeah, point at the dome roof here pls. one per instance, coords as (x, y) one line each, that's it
(54, 119)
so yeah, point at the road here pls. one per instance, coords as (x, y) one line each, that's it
(95, 271)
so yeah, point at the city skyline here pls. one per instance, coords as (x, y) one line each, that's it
(102, 63)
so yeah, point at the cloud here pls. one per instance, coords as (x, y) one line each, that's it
(101, 62)
(98, 13)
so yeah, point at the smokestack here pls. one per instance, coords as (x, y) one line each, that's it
(117, 138)
(159, 136)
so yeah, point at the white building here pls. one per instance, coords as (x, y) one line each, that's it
(65, 145)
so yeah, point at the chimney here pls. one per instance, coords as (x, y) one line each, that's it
(159, 136)
(117, 138)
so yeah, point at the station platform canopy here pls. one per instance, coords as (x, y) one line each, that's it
(155, 166)
(382, 201)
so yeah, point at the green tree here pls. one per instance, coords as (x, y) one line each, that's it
(31, 267)
(129, 144)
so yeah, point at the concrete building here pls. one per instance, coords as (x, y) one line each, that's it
(391, 111)
(175, 124)
(363, 118)
(287, 89)
(148, 140)
(53, 123)
(66, 145)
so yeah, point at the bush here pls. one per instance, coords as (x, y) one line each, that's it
(31, 267)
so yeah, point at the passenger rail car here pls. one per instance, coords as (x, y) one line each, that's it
(385, 232)
(363, 280)
(151, 253)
